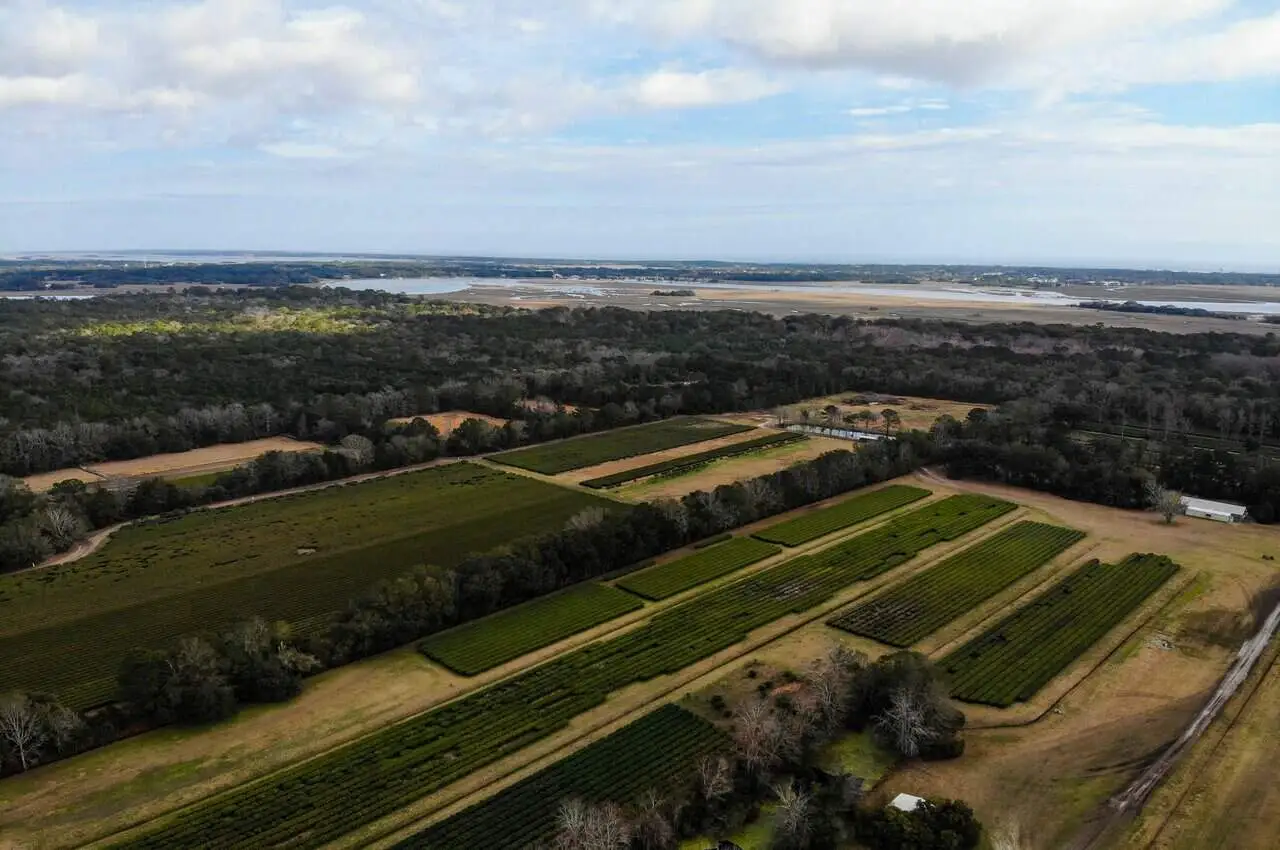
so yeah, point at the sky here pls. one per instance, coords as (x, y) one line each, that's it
(1129, 132)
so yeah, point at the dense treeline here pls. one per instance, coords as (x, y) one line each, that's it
(113, 377)
(206, 677)
(1159, 309)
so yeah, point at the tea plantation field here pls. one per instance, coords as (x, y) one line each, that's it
(486, 643)
(926, 602)
(322, 799)
(65, 629)
(688, 463)
(654, 752)
(815, 524)
(564, 455)
(1026, 650)
(690, 571)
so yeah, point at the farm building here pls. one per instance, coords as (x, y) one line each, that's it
(906, 802)
(837, 433)
(1220, 511)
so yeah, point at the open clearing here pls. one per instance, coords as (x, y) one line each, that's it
(65, 628)
(626, 464)
(448, 421)
(174, 466)
(914, 412)
(729, 470)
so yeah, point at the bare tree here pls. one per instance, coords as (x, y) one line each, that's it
(829, 681)
(295, 660)
(585, 519)
(22, 725)
(756, 735)
(715, 777)
(607, 828)
(62, 525)
(571, 825)
(1167, 503)
(791, 827)
(359, 449)
(653, 827)
(905, 722)
(63, 725)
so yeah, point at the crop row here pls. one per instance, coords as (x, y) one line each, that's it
(676, 576)
(1026, 650)
(693, 461)
(564, 455)
(296, 558)
(815, 524)
(655, 752)
(319, 800)
(924, 603)
(486, 643)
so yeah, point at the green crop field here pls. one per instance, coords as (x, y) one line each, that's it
(680, 465)
(65, 629)
(483, 644)
(926, 602)
(349, 787)
(1026, 650)
(681, 574)
(564, 455)
(652, 753)
(819, 523)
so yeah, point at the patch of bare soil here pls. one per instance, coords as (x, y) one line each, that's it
(196, 461)
(732, 469)
(448, 421)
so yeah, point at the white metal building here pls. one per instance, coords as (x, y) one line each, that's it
(906, 802)
(1219, 511)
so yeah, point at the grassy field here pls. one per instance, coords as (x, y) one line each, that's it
(484, 644)
(355, 785)
(1023, 652)
(652, 753)
(912, 610)
(565, 455)
(64, 629)
(688, 463)
(815, 524)
(676, 576)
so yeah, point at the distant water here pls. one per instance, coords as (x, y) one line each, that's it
(443, 285)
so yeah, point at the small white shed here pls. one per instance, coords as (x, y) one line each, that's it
(1218, 511)
(906, 802)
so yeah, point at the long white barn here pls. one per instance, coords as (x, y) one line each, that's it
(1219, 511)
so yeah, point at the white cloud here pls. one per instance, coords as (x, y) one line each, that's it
(680, 89)
(1001, 43)
(899, 108)
(301, 150)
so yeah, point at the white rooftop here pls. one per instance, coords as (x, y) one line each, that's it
(906, 802)
(1215, 507)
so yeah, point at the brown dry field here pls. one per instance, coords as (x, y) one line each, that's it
(447, 421)
(780, 302)
(914, 411)
(174, 465)
(46, 480)
(575, 476)
(1224, 793)
(730, 470)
